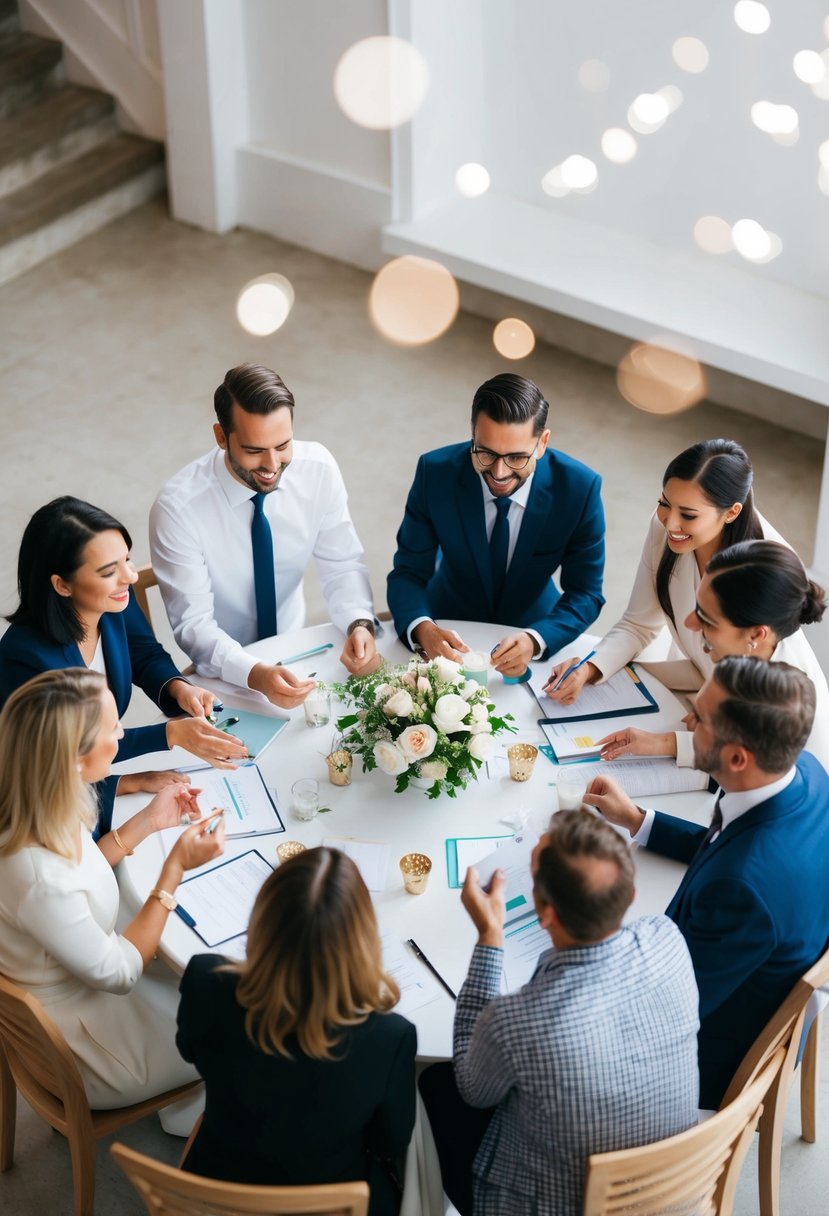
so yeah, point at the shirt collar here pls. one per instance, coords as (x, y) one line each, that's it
(519, 497)
(236, 492)
(736, 804)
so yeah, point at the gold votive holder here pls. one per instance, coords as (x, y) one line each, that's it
(415, 868)
(288, 849)
(522, 758)
(339, 766)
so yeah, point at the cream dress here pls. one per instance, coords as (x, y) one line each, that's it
(58, 941)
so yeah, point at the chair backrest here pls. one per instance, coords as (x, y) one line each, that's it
(146, 579)
(170, 1192)
(784, 1030)
(43, 1066)
(692, 1174)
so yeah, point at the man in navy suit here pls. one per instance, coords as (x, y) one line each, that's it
(488, 526)
(753, 905)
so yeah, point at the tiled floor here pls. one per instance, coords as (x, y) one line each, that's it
(112, 351)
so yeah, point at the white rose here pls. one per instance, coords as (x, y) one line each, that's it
(382, 690)
(480, 713)
(409, 679)
(481, 728)
(417, 742)
(423, 684)
(399, 704)
(390, 758)
(434, 770)
(447, 671)
(481, 746)
(449, 713)
(469, 689)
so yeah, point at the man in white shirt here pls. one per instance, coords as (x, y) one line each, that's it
(232, 533)
(753, 905)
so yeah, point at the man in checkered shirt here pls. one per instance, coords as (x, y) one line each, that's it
(598, 1052)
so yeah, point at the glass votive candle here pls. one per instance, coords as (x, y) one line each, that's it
(570, 788)
(415, 868)
(522, 758)
(339, 766)
(288, 849)
(306, 798)
(476, 667)
(317, 706)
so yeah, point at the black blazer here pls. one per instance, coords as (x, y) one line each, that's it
(271, 1121)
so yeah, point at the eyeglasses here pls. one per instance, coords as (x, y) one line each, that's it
(513, 460)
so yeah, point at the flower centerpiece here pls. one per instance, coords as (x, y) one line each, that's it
(424, 721)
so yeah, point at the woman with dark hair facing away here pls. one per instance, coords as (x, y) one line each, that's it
(59, 896)
(77, 609)
(752, 600)
(310, 1079)
(706, 505)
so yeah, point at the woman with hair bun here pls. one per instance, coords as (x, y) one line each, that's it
(310, 1077)
(752, 600)
(706, 505)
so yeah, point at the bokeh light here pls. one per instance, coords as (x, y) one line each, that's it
(264, 303)
(823, 179)
(594, 76)
(513, 338)
(472, 180)
(781, 122)
(823, 153)
(381, 82)
(751, 16)
(553, 183)
(690, 54)
(672, 96)
(413, 300)
(713, 234)
(647, 113)
(751, 240)
(809, 67)
(579, 173)
(660, 380)
(619, 145)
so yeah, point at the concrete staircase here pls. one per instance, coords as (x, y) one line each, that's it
(65, 168)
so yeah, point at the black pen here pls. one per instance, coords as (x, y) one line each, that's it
(434, 970)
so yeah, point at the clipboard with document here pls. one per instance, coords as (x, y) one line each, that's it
(622, 696)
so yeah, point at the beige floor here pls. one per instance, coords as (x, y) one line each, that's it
(112, 351)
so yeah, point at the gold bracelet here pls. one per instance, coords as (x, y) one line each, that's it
(120, 843)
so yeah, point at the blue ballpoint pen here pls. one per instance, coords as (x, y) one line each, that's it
(185, 916)
(570, 671)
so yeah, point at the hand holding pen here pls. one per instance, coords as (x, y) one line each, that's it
(569, 677)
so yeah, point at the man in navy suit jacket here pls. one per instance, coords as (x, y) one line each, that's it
(508, 490)
(753, 905)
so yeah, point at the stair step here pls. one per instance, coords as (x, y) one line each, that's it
(25, 61)
(69, 186)
(50, 128)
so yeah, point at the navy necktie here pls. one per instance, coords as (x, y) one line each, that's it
(264, 577)
(499, 544)
(714, 828)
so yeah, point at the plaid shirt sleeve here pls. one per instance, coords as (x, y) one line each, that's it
(482, 1069)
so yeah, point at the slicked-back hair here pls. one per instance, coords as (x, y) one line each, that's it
(588, 910)
(722, 470)
(763, 582)
(53, 543)
(513, 399)
(769, 709)
(255, 389)
(314, 963)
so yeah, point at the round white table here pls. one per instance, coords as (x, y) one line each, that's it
(369, 809)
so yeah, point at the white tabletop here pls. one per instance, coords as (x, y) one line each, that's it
(410, 822)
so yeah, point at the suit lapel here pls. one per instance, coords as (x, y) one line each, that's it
(470, 507)
(117, 660)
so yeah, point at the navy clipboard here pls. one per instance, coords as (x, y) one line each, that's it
(622, 696)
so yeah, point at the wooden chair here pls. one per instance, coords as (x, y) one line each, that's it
(692, 1174)
(784, 1031)
(167, 1191)
(36, 1060)
(146, 579)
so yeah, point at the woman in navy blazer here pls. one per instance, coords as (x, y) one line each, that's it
(310, 1079)
(77, 609)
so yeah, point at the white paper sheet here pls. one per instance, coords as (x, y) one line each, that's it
(416, 983)
(644, 776)
(242, 792)
(620, 695)
(221, 900)
(523, 943)
(370, 857)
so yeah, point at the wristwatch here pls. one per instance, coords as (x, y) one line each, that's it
(361, 622)
(165, 899)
